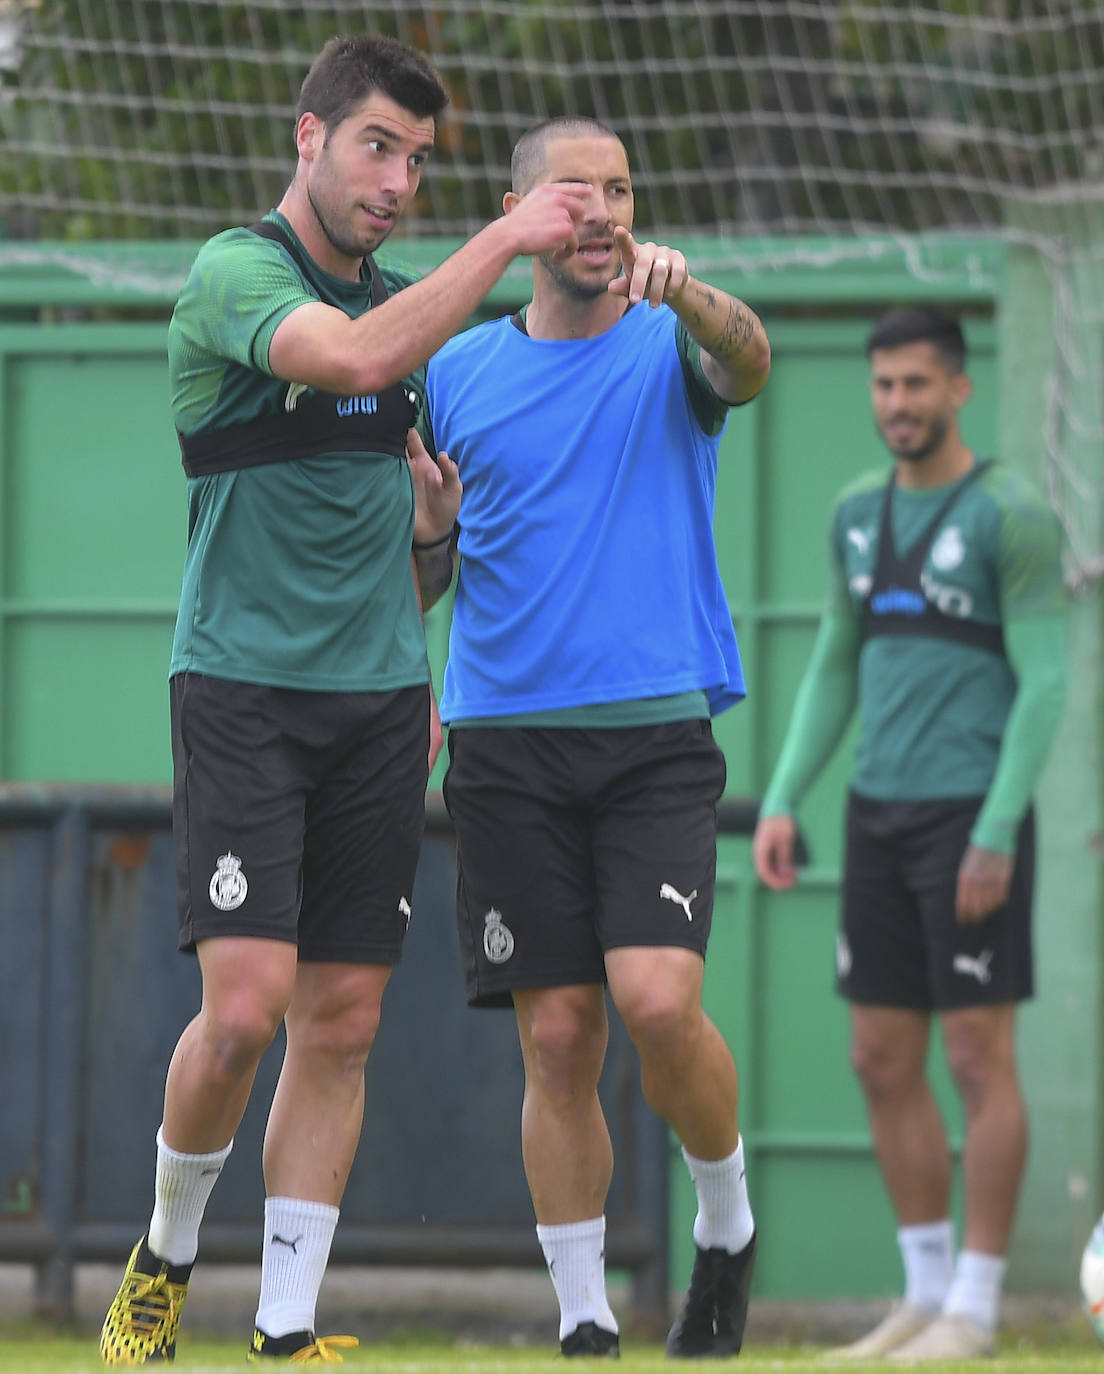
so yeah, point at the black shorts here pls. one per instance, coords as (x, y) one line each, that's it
(298, 815)
(572, 842)
(900, 944)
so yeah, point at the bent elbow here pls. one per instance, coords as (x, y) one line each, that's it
(757, 373)
(754, 370)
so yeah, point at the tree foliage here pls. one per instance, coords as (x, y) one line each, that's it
(162, 118)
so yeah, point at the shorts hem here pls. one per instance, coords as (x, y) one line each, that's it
(348, 955)
(932, 1007)
(190, 936)
(502, 994)
(660, 942)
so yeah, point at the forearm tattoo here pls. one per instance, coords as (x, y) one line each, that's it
(724, 338)
(435, 569)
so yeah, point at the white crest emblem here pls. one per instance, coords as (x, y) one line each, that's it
(229, 885)
(498, 938)
(404, 909)
(859, 538)
(949, 549)
(843, 955)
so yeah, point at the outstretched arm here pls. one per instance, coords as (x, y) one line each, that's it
(320, 346)
(736, 353)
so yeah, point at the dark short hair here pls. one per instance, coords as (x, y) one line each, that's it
(351, 66)
(921, 324)
(528, 158)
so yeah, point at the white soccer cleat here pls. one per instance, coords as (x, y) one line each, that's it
(949, 1337)
(902, 1322)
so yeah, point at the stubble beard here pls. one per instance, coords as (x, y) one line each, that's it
(937, 432)
(571, 286)
(340, 240)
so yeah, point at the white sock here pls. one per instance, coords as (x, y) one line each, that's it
(927, 1253)
(184, 1184)
(724, 1220)
(976, 1288)
(576, 1256)
(297, 1240)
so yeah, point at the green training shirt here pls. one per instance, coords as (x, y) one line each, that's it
(297, 573)
(939, 719)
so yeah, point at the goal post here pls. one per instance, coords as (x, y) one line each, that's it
(1051, 351)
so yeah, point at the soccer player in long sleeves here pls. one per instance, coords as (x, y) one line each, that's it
(945, 630)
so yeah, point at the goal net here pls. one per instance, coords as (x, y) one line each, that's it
(783, 120)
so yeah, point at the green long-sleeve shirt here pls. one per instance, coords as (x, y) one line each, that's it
(937, 718)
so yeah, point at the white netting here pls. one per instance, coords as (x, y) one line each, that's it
(174, 117)
(779, 118)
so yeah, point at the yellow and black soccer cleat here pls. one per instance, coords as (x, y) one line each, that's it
(298, 1347)
(141, 1324)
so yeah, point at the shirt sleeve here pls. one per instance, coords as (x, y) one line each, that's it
(822, 709)
(710, 410)
(1037, 651)
(241, 289)
(1034, 604)
(826, 696)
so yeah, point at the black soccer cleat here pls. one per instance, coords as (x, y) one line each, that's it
(710, 1323)
(589, 1338)
(298, 1347)
(732, 1281)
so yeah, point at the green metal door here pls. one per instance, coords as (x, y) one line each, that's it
(92, 532)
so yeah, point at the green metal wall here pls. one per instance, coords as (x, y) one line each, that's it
(92, 528)
(92, 531)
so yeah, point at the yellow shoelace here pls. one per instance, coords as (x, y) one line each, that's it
(152, 1303)
(324, 1350)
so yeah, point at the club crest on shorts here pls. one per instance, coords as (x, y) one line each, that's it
(498, 938)
(229, 885)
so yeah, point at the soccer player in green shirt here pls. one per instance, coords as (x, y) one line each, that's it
(946, 631)
(299, 683)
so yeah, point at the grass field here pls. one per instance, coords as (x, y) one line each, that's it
(32, 1350)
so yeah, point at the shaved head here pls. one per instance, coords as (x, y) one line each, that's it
(528, 162)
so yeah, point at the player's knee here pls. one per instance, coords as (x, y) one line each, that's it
(342, 1037)
(564, 1045)
(237, 1033)
(661, 1022)
(881, 1072)
(981, 1054)
(976, 1071)
(356, 1033)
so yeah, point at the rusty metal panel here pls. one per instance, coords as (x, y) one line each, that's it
(93, 996)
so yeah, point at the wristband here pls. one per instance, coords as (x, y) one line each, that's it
(432, 544)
